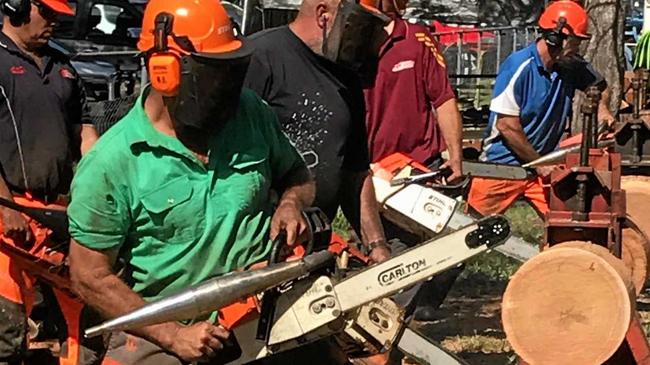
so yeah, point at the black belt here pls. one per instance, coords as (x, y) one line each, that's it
(48, 198)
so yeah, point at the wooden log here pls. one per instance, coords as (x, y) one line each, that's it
(571, 304)
(637, 191)
(636, 247)
(636, 256)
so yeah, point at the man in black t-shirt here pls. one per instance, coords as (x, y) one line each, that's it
(320, 106)
(44, 127)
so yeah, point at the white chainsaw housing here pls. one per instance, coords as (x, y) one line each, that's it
(355, 307)
(414, 207)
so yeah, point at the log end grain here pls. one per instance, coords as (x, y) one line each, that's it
(571, 304)
(636, 256)
(637, 191)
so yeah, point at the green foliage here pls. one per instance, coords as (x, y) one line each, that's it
(341, 226)
(642, 52)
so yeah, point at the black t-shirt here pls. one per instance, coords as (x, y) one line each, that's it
(319, 105)
(48, 107)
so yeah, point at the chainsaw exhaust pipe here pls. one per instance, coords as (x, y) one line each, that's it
(212, 295)
(558, 155)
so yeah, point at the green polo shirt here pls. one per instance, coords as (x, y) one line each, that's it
(175, 220)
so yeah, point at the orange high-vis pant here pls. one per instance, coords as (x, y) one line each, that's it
(492, 196)
(15, 284)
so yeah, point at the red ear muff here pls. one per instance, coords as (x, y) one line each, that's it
(164, 64)
(165, 72)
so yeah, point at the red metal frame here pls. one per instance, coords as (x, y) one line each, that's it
(605, 201)
(634, 350)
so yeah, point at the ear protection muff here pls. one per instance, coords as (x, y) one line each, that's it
(17, 10)
(164, 63)
(555, 38)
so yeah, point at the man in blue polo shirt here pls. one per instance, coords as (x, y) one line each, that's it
(532, 100)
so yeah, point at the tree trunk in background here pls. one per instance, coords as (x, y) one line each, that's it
(605, 49)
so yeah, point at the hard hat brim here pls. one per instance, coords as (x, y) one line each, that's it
(238, 48)
(59, 6)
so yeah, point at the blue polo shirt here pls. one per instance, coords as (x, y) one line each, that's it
(541, 98)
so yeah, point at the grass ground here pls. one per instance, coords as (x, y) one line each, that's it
(469, 321)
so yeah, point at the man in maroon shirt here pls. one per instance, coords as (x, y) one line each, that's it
(411, 107)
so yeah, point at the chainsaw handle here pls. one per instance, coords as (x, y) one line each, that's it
(446, 172)
(276, 247)
(460, 185)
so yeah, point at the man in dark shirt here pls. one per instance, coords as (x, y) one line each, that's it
(321, 108)
(44, 124)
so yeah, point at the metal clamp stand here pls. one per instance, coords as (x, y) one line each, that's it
(633, 136)
(587, 204)
(586, 201)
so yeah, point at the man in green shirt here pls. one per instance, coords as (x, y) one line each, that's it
(181, 189)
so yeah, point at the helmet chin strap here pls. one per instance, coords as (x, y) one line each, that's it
(324, 46)
(398, 11)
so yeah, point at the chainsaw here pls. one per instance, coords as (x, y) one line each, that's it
(409, 197)
(316, 305)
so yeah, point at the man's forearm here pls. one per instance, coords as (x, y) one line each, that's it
(299, 187)
(604, 114)
(520, 145)
(112, 298)
(359, 204)
(4, 189)
(514, 136)
(451, 127)
(100, 288)
(88, 137)
(371, 227)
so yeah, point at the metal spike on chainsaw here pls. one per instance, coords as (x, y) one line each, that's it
(558, 155)
(212, 295)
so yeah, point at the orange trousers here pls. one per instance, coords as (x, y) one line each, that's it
(17, 285)
(491, 196)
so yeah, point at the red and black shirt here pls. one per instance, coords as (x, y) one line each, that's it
(40, 115)
(411, 83)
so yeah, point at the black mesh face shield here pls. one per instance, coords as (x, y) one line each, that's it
(209, 91)
(356, 35)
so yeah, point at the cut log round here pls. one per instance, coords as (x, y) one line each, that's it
(636, 247)
(636, 256)
(637, 191)
(571, 304)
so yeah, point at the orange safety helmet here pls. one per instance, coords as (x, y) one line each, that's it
(175, 28)
(575, 18)
(371, 5)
